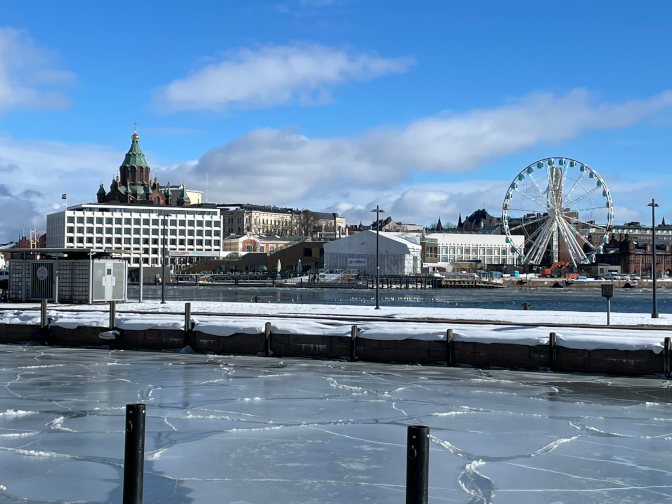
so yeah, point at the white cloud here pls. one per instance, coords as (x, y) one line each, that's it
(34, 175)
(287, 167)
(27, 76)
(272, 75)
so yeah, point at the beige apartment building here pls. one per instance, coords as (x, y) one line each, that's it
(238, 220)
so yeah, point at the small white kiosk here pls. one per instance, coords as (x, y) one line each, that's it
(67, 276)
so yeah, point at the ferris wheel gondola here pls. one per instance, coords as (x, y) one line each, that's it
(562, 207)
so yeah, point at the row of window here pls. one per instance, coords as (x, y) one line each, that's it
(137, 222)
(486, 260)
(145, 241)
(144, 231)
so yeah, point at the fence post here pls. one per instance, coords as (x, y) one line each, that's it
(113, 312)
(353, 343)
(134, 454)
(417, 464)
(449, 348)
(552, 351)
(43, 313)
(666, 356)
(267, 339)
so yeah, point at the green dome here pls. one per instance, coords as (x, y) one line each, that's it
(134, 156)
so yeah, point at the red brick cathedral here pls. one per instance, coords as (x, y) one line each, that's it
(134, 185)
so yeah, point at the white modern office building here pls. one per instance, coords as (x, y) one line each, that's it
(134, 231)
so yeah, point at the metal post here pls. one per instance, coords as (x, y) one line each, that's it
(267, 339)
(187, 317)
(552, 351)
(23, 278)
(163, 264)
(134, 453)
(377, 255)
(142, 281)
(353, 343)
(56, 281)
(653, 205)
(449, 347)
(417, 464)
(43, 313)
(666, 356)
(608, 311)
(113, 312)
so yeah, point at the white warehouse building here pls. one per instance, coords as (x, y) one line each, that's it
(134, 231)
(399, 255)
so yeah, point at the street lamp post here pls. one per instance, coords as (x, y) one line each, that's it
(653, 205)
(378, 212)
(163, 261)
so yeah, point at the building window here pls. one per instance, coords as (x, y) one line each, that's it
(117, 221)
(173, 223)
(191, 223)
(208, 223)
(155, 232)
(136, 222)
(183, 223)
(190, 242)
(155, 251)
(127, 222)
(199, 232)
(199, 243)
(136, 241)
(71, 239)
(127, 231)
(71, 229)
(99, 220)
(155, 222)
(216, 243)
(80, 220)
(145, 241)
(190, 232)
(80, 239)
(208, 243)
(136, 231)
(89, 239)
(80, 230)
(248, 248)
(99, 239)
(145, 231)
(117, 231)
(271, 248)
(127, 241)
(155, 241)
(208, 232)
(181, 242)
(199, 223)
(145, 222)
(262, 248)
(172, 241)
(117, 241)
(89, 220)
(89, 230)
(182, 232)
(173, 232)
(71, 220)
(108, 241)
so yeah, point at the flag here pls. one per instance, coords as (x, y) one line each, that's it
(65, 196)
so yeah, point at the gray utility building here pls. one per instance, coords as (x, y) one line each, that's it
(399, 255)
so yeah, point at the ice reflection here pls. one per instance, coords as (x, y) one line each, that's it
(259, 430)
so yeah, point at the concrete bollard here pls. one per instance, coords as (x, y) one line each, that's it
(417, 464)
(113, 313)
(666, 357)
(267, 340)
(552, 351)
(353, 343)
(43, 314)
(134, 454)
(449, 348)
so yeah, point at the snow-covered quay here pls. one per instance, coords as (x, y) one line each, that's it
(248, 430)
(482, 338)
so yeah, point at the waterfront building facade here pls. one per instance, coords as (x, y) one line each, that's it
(442, 250)
(138, 232)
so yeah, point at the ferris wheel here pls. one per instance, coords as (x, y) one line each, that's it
(562, 207)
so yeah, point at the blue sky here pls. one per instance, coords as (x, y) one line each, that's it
(428, 110)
